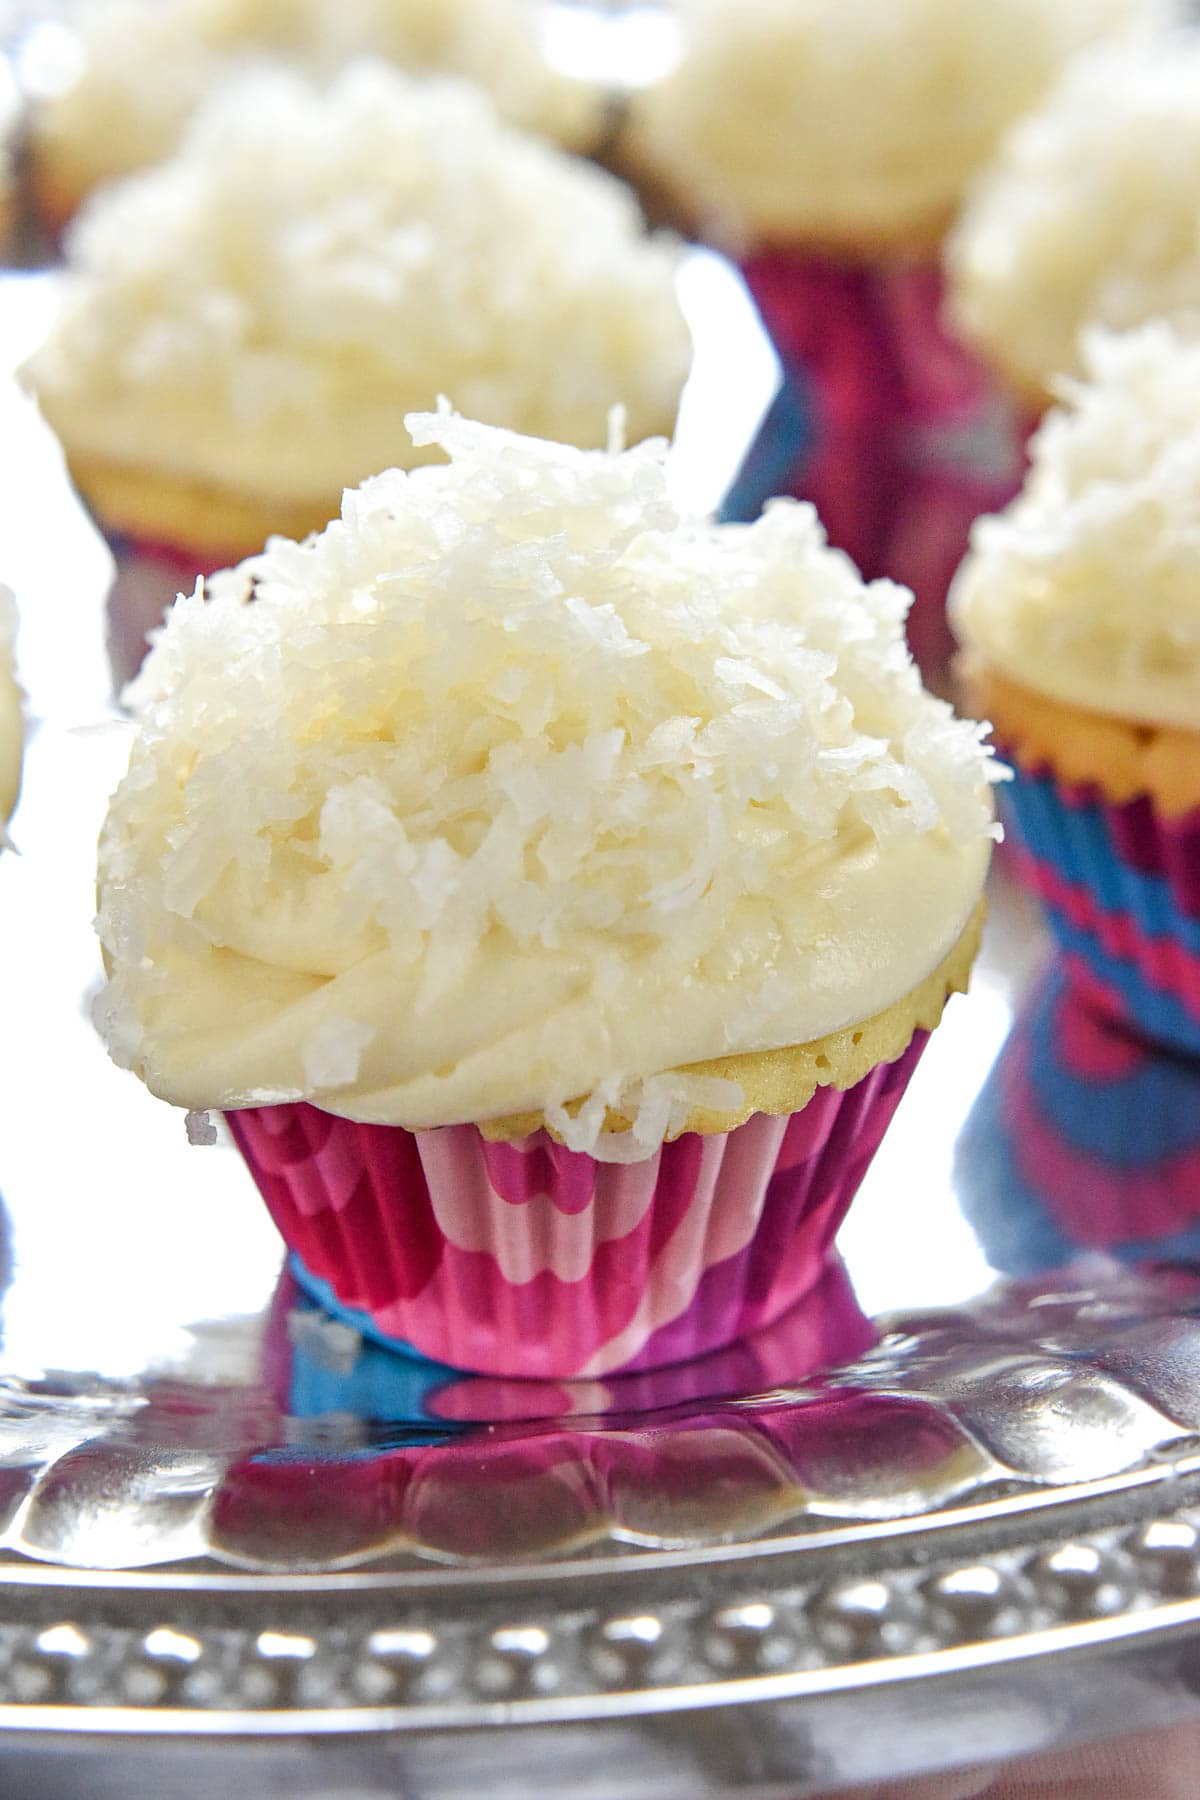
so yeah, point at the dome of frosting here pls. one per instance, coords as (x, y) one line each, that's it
(1090, 214)
(260, 313)
(516, 786)
(851, 123)
(1088, 587)
(143, 66)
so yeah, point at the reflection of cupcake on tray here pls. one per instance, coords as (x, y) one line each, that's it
(134, 71)
(322, 1362)
(555, 891)
(1080, 611)
(1085, 1138)
(829, 144)
(244, 328)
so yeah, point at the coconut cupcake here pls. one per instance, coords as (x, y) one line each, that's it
(12, 731)
(1090, 214)
(244, 329)
(554, 891)
(1080, 611)
(142, 67)
(829, 143)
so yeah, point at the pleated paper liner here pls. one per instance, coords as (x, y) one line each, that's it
(888, 424)
(532, 1260)
(1121, 886)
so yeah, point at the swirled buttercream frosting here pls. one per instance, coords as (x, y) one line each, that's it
(514, 784)
(850, 121)
(259, 314)
(1090, 214)
(1087, 588)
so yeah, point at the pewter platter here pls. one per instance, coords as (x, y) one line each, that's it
(943, 1506)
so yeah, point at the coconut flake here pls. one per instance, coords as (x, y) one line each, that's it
(333, 1052)
(200, 1128)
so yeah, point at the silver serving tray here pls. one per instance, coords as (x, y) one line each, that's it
(222, 1519)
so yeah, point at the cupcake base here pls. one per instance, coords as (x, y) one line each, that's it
(529, 1259)
(1107, 821)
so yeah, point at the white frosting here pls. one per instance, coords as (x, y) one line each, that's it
(1089, 215)
(1088, 587)
(11, 727)
(847, 118)
(514, 785)
(260, 313)
(143, 66)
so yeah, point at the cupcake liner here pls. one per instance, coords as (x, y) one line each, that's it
(1085, 1138)
(316, 1366)
(1121, 885)
(883, 420)
(148, 578)
(529, 1259)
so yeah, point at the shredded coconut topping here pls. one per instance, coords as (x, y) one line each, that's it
(1088, 587)
(514, 786)
(1089, 215)
(260, 313)
(143, 66)
(850, 120)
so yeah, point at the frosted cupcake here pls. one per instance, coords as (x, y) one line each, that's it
(12, 732)
(142, 67)
(554, 891)
(830, 143)
(1090, 214)
(1080, 611)
(245, 328)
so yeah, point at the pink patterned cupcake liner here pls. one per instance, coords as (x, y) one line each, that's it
(529, 1259)
(893, 429)
(148, 578)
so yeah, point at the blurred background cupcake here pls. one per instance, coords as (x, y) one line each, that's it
(829, 143)
(1080, 611)
(1085, 1140)
(1089, 214)
(122, 80)
(12, 730)
(243, 329)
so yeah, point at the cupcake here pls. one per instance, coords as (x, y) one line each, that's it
(1089, 214)
(1085, 1140)
(244, 328)
(829, 142)
(12, 731)
(554, 891)
(139, 69)
(1080, 611)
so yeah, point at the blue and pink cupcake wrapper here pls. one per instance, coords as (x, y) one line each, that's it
(1121, 886)
(531, 1260)
(1085, 1138)
(883, 420)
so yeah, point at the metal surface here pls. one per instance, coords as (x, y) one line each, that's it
(222, 1517)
